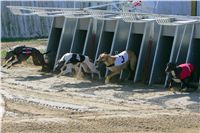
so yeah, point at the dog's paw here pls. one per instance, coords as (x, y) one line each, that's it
(8, 67)
(107, 81)
(58, 76)
(187, 90)
(172, 89)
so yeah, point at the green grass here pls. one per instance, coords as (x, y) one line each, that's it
(21, 39)
(3, 53)
(24, 41)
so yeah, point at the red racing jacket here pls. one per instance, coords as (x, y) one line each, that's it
(187, 69)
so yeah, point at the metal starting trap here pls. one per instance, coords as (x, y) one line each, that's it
(156, 39)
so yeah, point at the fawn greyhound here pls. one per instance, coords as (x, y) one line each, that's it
(116, 63)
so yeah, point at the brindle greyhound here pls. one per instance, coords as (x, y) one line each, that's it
(22, 53)
(126, 59)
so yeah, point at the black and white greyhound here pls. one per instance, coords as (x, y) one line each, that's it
(75, 61)
(182, 74)
(22, 53)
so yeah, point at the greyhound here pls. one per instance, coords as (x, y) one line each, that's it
(182, 74)
(116, 63)
(22, 53)
(76, 61)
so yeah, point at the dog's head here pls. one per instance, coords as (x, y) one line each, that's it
(58, 66)
(102, 58)
(9, 55)
(170, 67)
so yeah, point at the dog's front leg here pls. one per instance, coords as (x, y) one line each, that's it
(68, 69)
(110, 76)
(169, 81)
(60, 74)
(5, 64)
(8, 61)
(78, 68)
(62, 70)
(99, 74)
(12, 64)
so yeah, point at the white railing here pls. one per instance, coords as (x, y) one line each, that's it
(102, 14)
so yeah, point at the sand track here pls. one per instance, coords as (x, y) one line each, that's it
(38, 102)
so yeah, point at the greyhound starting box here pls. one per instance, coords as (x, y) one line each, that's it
(156, 39)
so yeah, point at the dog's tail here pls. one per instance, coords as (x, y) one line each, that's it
(46, 52)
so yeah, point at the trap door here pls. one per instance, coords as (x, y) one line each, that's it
(133, 43)
(105, 41)
(120, 38)
(185, 43)
(194, 56)
(66, 37)
(143, 54)
(92, 39)
(54, 40)
(178, 40)
(79, 36)
(155, 36)
(88, 37)
(161, 58)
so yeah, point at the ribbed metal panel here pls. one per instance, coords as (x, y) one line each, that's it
(155, 45)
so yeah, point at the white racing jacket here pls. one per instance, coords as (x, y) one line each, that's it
(121, 58)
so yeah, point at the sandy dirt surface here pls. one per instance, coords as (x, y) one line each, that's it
(36, 102)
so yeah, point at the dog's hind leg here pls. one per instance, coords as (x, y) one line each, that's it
(133, 61)
(85, 68)
(132, 65)
(131, 72)
(186, 83)
(38, 59)
(92, 67)
(78, 69)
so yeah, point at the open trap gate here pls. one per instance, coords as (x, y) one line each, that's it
(156, 39)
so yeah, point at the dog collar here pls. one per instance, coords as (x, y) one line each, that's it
(110, 65)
